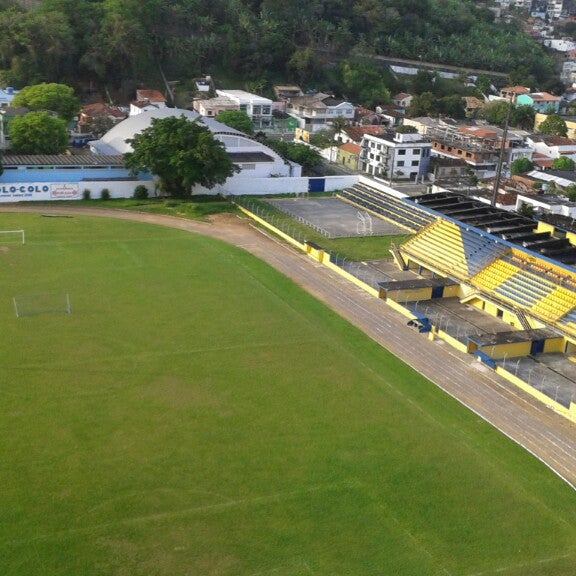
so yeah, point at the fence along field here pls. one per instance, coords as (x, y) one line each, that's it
(197, 413)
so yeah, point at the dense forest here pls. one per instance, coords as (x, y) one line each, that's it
(118, 43)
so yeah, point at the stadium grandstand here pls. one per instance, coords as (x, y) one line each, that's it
(510, 266)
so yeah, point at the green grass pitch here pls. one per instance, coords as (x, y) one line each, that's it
(199, 414)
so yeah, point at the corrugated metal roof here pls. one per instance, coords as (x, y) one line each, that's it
(61, 160)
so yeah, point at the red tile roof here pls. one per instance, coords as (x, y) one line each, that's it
(151, 95)
(516, 89)
(351, 147)
(357, 132)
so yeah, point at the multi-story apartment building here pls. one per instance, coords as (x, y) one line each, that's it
(395, 155)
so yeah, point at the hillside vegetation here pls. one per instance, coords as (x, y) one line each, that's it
(123, 42)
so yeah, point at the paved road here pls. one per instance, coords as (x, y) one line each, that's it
(547, 435)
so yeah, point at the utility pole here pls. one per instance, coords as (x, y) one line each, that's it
(501, 157)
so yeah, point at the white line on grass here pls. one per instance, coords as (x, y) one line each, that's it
(523, 565)
(266, 499)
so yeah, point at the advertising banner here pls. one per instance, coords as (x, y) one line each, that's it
(16, 191)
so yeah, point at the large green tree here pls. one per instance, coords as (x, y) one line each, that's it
(50, 97)
(237, 119)
(182, 153)
(38, 133)
(555, 125)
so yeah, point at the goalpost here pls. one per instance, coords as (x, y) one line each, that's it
(20, 236)
(34, 304)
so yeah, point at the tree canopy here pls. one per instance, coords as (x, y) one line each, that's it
(555, 125)
(38, 133)
(520, 116)
(117, 41)
(300, 153)
(182, 153)
(49, 97)
(521, 166)
(563, 163)
(237, 119)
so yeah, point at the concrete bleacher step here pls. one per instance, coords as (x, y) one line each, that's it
(386, 206)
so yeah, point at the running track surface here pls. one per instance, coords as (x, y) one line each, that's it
(547, 435)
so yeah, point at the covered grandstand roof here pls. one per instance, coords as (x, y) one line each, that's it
(501, 224)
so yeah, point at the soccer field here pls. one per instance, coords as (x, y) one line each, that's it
(199, 414)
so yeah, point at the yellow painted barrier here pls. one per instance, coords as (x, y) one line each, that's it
(318, 254)
(460, 346)
(569, 413)
(273, 228)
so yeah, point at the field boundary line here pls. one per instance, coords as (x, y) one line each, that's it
(153, 517)
(504, 569)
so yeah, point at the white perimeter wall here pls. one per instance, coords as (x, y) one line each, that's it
(262, 186)
(30, 191)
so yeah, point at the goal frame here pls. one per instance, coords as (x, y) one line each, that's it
(21, 231)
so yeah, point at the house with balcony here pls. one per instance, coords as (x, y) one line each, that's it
(394, 155)
(257, 107)
(540, 101)
(317, 111)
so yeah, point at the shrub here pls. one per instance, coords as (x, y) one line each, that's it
(105, 194)
(140, 192)
(171, 203)
(86, 194)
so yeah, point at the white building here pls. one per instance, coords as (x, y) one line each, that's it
(147, 100)
(257, 107)
(548, 203)
(254, 158)
(395, 155)
(552, 146)
(6, 96)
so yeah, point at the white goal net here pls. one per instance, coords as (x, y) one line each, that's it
(43, 303)
(12, 237)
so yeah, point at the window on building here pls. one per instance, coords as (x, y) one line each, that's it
(266, 110)
(416, 151)
(401, 152)
(243, 107)
(257, 109)
(400, 163)
(415, 162)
